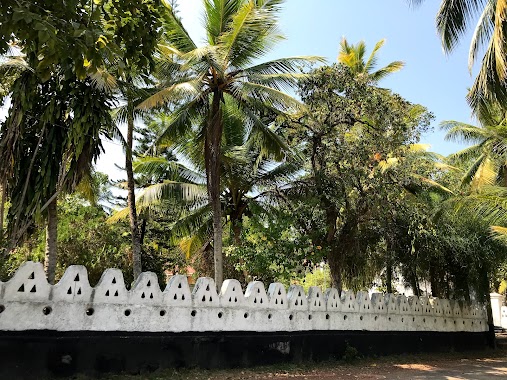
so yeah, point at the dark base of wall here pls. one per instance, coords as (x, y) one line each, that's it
(35, 354)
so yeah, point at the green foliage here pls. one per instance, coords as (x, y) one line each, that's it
(61, 101)
(85, 238)
(81, 37)
(271, 250)
(319, 276)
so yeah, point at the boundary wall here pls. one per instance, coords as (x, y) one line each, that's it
(28, 303)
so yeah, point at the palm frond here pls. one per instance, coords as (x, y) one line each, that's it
(281, 174)
(453, 18)
(472, 170)
(489, 205)
(174, 32)
(464, 156)
(171, 190)
(488, 86)
(485, 175)
(103, 80)
(482, 33)
(217, 17)
(182, 120)
(418, 148)
(385, 71)
(462, 132)
(198, 222)
(267, 95)
(372, 60)
(118, 216)
(434, 185)
(499, 38)
(252, 32)
(191, 244)
(290, 65)
(174, 93)
(264, 137)
(500, 233)
(160, 167)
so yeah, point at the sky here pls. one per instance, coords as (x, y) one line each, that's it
(430, 77)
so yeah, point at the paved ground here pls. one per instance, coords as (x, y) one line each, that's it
(483, 365)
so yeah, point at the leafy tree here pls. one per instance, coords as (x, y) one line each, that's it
(272, 249)
(85, 238)
(201, 79)
(346, 191)
(60, 104)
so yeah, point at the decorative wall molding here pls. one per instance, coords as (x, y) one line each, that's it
(28, 302)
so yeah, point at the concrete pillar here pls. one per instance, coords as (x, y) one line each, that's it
(497, 301)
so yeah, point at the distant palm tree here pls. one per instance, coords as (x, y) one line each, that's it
(201, 79)
(353, 56)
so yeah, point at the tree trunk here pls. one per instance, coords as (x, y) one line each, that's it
(51, 241)
(335, 266)
(144, 222)
(389, 275)
(236, 232)
(3, 195)
(389, 265)
(483, 272)
(131, 197)
(338, 243)
(415, 283)
(212, 158)
(434, 280)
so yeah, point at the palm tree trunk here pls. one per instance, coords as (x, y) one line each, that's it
(131, 197)
(236, 232)
(51, 241)
(212, 158)
(485, 287)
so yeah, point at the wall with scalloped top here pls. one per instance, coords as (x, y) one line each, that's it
(28, 302)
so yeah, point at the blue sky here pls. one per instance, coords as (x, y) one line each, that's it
(430, 78)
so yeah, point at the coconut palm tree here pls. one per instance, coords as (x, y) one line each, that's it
(248, 167)
(454, 18)
(487, 157)
(247, 180)
(201, 79)
(353, 56)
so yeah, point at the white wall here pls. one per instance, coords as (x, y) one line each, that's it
(28, 302)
